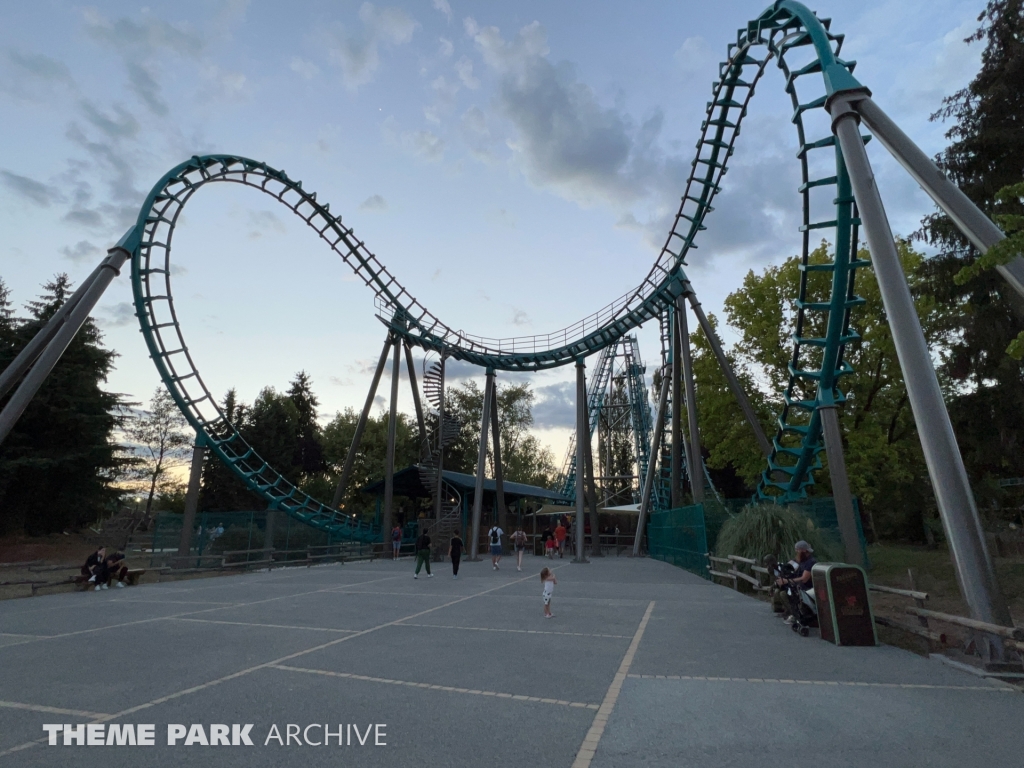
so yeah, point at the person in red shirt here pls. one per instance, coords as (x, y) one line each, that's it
(560, 538)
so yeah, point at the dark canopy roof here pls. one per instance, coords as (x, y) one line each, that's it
(408, 483)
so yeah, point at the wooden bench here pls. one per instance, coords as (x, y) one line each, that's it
(131, 579)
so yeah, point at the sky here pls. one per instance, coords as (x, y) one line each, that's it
(515, 165)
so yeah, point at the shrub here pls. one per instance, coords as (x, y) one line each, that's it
(770, 529)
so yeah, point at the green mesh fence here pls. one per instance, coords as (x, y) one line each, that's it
(218, 532)
(678, 536)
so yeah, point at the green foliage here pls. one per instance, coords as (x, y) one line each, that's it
(59, 463)
(769, 529)
(160, 441)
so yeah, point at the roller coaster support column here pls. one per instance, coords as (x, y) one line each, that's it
(440, 452)
(695, 466)
(652, 465)
(953, 495)
(17, 368)
(595, 531)
(499, 475)
(582, 436)
(415, 394)
(970, 220)
(481, 466)
(676, 461)
(734, 385)
(56, 339)
(188, 521)
(389, 461)
(357, 438)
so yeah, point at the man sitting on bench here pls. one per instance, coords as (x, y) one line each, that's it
(112, 566)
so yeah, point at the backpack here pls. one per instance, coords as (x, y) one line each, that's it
(494, 536)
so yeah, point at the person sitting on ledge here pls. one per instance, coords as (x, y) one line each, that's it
(94, 561)
(112, 566)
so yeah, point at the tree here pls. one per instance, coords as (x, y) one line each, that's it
(58, 464)
(159, 440)
(309, 451)
(882, 450)
(985, 155)
(221, 491)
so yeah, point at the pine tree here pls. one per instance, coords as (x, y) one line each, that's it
(221, 491)
(986, 154)
(309, 452)
(57, 464)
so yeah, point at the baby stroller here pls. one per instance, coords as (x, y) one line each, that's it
(802, 605)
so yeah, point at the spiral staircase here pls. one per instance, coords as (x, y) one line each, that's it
(442, 528)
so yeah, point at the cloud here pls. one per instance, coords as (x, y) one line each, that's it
(374, 203)
(145, 86)
(119, 315)
(358, 55)
(464, 69)
(695, 57)
(444, 7)
(83, 250)
(86, 217)
(128, 35)
(42, 67)
(306, 69)
(122, 125)
(476, 134)
(444, 99)
(36, 191)
(564, 138)
(519, 317)
(262, 222)
(425, 144)
(555, 405)
(446, 48)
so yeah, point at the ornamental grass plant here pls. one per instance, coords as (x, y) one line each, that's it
(769, 529)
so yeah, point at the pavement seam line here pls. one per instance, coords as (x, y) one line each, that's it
(49, 710)
(844, 683)
(243, 672)
(185, 613)
(433, 687)
(269, 626)
(591, 741)
(516, 631)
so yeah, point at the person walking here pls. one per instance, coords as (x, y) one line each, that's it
(519, 546)
(423, 555)
(549, 581)
(494, 538)
(396, 541)
(455, 547)
(560, 534)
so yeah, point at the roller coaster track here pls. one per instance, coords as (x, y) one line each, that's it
(786, 30)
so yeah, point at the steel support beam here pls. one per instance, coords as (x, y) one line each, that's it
(969, 219)
(695, 462)
(676, 461)
(188, 521)
(59, 340)
(21, 364)
(415, 393)
(582, 434)
(652, 465)
(974, 568)
(481, 467)
(841, 496)
(357, 438)
(389, 460)
(730, 377)
(499, 475)
(595, 534)
(440, 451)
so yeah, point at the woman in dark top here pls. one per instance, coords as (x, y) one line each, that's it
(455, 553)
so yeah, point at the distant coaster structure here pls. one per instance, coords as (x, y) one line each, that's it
(837, 203)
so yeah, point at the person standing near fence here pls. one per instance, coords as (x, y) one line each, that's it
(455, 548)
(423, 555)
(396, 541)
(560, 534)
